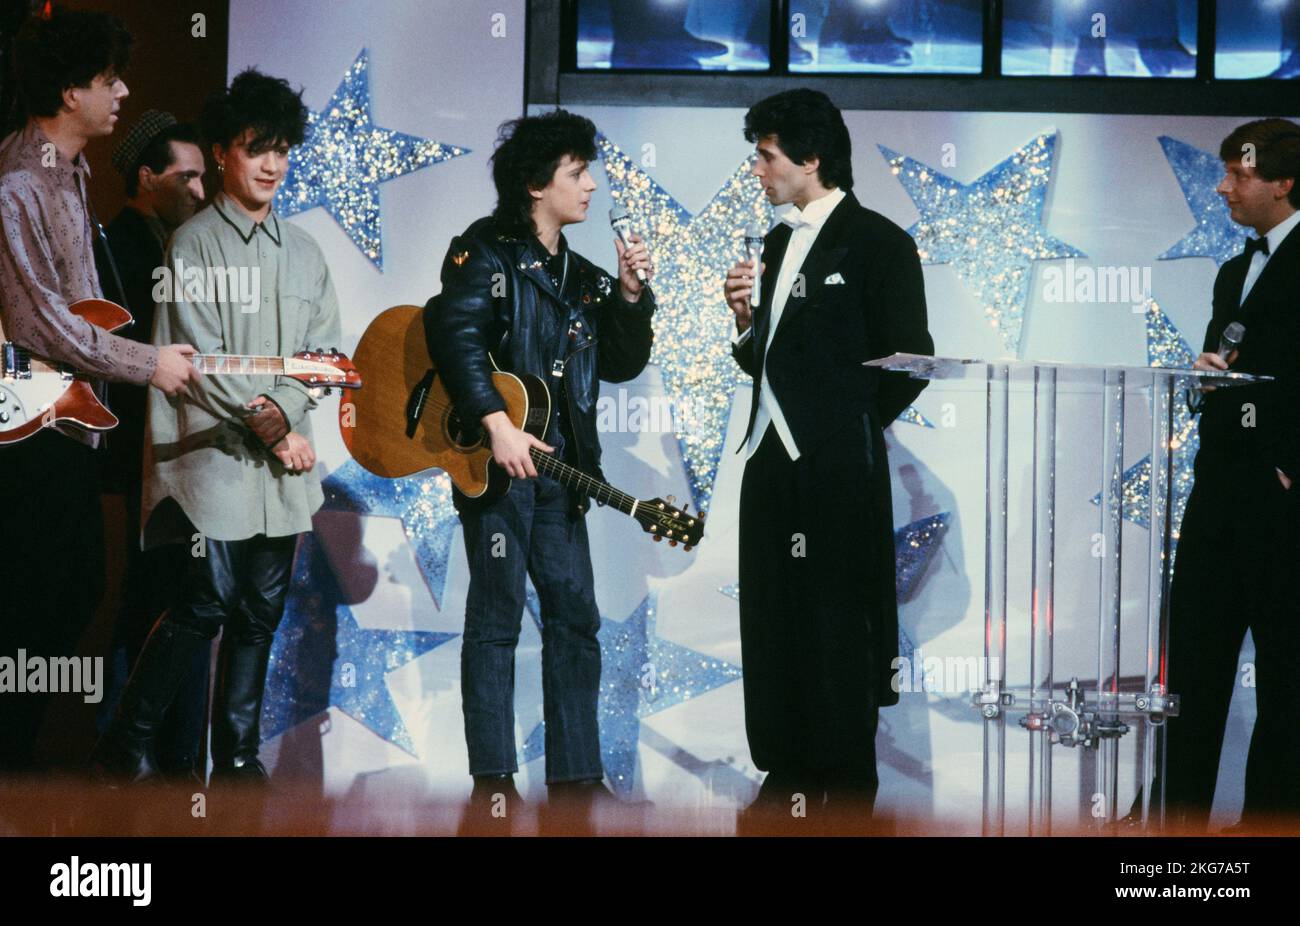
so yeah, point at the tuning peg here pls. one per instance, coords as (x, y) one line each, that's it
(657, 538)
(687, 548)
(672, 499)
(672, 543)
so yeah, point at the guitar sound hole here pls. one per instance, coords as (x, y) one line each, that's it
(463, 435)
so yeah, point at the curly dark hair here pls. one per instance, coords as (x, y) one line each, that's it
(267, 105)
(806, 125)
(1277, 150)
(529, 150)
(69, 49)
(158, 154)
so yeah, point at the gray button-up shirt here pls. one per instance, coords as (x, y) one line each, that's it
(237, 287)
(47, 262)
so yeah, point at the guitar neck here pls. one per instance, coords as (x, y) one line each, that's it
(576, 479)
(245, 364)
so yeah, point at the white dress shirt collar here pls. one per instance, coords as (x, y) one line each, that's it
(1278, 231)
(814, 214)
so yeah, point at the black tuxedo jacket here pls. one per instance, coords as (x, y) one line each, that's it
(1270, 345)
(814, 365)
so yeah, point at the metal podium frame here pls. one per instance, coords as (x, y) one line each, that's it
(1069, 714)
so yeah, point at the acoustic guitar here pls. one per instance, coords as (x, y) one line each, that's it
(35, 394)
(402, 422)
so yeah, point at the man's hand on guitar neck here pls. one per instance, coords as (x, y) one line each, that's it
(511, 446)
(174, 370)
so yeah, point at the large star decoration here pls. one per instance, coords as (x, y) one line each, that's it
(991, 230)
(421, 502)
(321, 658)
(641, 674)
(1166, 347)
(1198, 172)
(693, 325)
(345, 157)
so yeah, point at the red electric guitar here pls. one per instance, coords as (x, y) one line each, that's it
(35, 394)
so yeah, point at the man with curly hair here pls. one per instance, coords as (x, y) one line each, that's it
(514, 288)
(228, 468)
(67, 73)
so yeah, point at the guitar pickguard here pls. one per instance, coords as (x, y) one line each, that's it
(27, 399)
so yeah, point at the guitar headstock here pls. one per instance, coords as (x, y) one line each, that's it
(663, 521)
(322, 368)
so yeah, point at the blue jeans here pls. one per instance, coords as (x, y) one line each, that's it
(530, 531)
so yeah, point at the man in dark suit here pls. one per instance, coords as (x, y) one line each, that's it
(840, 285)
(162, 165)
(1240, 537)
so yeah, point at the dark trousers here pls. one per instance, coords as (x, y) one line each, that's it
(805, 624)
(529, 532)
(240, 585)
(150, 583)
(51, 570)
(1236, 568)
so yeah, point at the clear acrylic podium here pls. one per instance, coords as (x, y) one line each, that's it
(1092, 716)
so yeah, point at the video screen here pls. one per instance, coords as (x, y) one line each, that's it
(1257, 38)
(1099, 38)
(675, 35)
(889, 36)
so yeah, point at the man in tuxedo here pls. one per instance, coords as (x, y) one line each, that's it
(1240, 537)
(840, 285)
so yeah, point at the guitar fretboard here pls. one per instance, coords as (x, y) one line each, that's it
(238, 363)
(602, 492)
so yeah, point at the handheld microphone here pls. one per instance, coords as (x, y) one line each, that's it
(622, 225)
(754, 255)
(1230, 340)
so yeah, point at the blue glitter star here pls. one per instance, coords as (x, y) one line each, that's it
(912, 415)
(915, 545)
(1166, 347)
(991, 230)
(1198, 173)
(692, 324)
(345, 157)
(422, 503)
(641, 674)
(322, 659)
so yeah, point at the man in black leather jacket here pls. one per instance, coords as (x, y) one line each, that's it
(513, 289)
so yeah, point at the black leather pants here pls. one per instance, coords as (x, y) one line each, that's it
(240, 585)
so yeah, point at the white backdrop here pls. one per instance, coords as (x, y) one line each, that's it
(437, 72)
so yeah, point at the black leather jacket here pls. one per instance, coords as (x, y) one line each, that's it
(497, 297)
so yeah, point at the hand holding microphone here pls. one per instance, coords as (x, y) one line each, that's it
(1229, 341)
(743, 284)
(634, 267)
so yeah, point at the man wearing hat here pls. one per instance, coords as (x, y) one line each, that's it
(162, 164)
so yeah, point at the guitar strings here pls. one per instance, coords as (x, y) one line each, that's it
(588, 484)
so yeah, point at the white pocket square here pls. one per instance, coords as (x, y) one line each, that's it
(833, 280)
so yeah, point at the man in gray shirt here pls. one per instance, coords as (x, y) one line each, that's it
(228, 468)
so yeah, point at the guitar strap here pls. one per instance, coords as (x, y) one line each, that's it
(98, 230)
(567, 331)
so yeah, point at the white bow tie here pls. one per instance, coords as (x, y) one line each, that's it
(795, 219)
